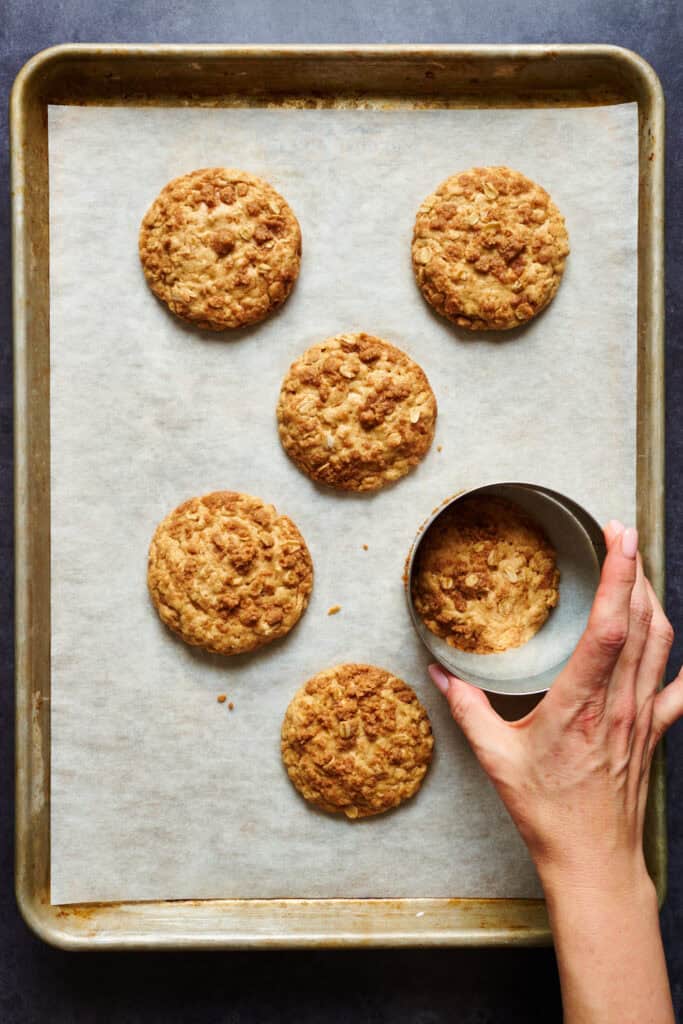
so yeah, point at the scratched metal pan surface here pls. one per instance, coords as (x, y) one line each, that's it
(364, 77)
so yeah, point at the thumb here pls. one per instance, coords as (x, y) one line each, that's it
(469, 706)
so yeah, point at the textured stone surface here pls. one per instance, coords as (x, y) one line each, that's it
(39, 984)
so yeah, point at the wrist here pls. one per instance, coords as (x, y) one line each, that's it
(596, 879)
(605, 927)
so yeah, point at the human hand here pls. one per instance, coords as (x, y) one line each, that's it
(574, 772)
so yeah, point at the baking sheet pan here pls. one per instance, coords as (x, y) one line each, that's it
(374, 908)
(182, 800)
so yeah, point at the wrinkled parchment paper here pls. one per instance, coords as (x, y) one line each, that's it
(158, 791)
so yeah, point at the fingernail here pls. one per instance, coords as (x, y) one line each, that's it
(615, 526)
(439, 678)
(629, 542)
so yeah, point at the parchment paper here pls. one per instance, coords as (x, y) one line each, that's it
(158, 791)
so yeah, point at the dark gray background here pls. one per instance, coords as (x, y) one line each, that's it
(421, 987)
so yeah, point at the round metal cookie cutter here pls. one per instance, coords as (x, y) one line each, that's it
(580, 546)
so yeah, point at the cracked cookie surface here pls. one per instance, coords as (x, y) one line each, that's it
(356, 412)
(356, 740)
(485, 577)
(220, 247)
(228, 573)
(489, 248)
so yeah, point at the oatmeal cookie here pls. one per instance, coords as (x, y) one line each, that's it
(485, 577)
(355, 412)
(489, 248)
(220, 247)
(228, 573)
(356, 739)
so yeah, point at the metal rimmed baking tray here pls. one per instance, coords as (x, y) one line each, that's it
(318, 76)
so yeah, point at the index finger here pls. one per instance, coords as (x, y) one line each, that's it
(593, 661)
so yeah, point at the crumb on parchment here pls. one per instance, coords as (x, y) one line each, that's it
(231, 706)
(221, 698)
(334, 609)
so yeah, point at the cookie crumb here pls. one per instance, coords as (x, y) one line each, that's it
(439, 447)
(334, 609)
(221, 698)
(365, 547)
(231, 706)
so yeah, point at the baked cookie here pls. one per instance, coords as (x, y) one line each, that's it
(489, 248)
(355, 412)
(485, 577)
(227, 573)
(220, 247)
(356, 739)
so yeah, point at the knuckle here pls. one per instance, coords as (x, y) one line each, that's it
(641, 612)
(589, 715)
(663, 631)
(625, 576)
(611, 635)
(624, 713)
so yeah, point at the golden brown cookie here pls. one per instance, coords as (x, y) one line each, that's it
(356, 739)
(220, 247)
(355, 412)
(485, 577)
(227, 573)
(489, 248)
